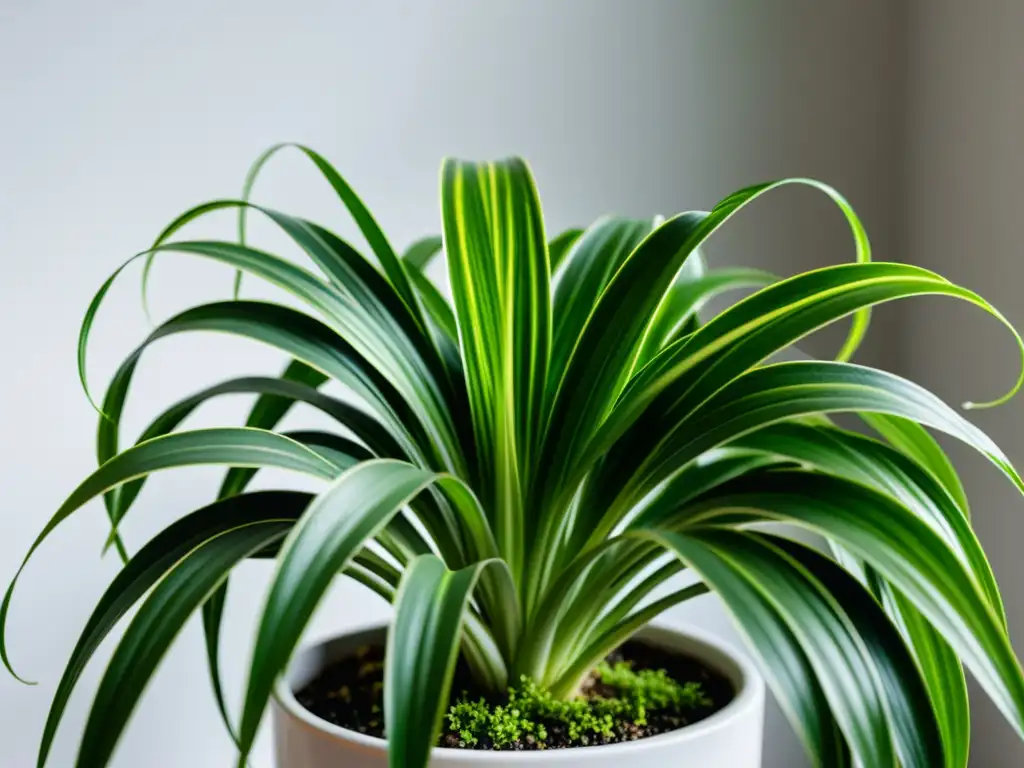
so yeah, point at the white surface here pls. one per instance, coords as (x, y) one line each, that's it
(118, 115)
(730, 737)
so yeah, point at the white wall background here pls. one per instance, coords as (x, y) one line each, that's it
(115, 116)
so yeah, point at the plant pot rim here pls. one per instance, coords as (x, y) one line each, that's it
(705, 646)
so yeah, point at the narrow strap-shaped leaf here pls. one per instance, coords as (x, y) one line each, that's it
(689, 372)
(782, 391)
(354, 509)
(107, 437)
(236, 446)
(498, 265)
(437, 307)
(701, 477)
(773, 643)
(404, 358)
(422, 647)
(158, 621)
(914, 440)
(150, 564)
(270, 407)
(443, 357)
(421, 362)
(212, 611)
(902, 548)
(586, 270)
(398, 342)
(559, 246)
(941, 668)
(867, 461)
(358, 505)
(617, 631)
(417, 257)
(907, 704)
(609, 344)
(687, 296)
(303, 338)
(298, 383)
(282, 394)
(567, 587)
(266, 413)
(360, 213)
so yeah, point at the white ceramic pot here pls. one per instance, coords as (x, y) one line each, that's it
(730, 738)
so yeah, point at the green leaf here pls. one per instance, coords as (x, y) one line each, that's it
(157, 623)
(356, 507)
(610, 343)
(361, 215)
(233, 446)
(353, 510)
(359, 305)
(687, 296)
(559, 246)
(914, 440)
(902, 548)
(276, 396)
(904, 695)
(422, 648)
(587, 269)
(863, 460)
(266, 413)
(772, 394)
(942, 671)
(437, 307)
(613, 633)
(664, 394)
(152, 562)
(417, 257)
(498, 265)
(772, 640)
(305, 339)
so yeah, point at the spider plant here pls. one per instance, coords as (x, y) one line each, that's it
(523, 470)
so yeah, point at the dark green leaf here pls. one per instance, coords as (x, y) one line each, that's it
(423, 644)
(158, 622)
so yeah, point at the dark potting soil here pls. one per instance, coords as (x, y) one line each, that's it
(350, 694)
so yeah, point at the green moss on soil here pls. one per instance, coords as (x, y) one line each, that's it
(641, 690)
(620, 698)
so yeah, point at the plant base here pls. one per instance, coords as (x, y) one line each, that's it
(730, 736)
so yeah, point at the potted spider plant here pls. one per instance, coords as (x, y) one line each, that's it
(524, 472)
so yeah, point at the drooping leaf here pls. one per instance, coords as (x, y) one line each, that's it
(687, 296)
(360, 214)
(783, 660)
(152, 563)
(157, 623)
(417, 257)
(230, 446)
(902, 548)
(358, 505)
(866, 461)
(423, 645)
(609, 344)
(914, 440)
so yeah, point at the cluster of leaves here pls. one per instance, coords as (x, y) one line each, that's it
(524, 469)
(530, 709)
